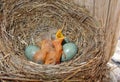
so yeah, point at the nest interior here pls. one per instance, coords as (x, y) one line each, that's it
(24, 22)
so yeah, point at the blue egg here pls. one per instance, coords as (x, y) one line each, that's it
(69, 51)
(30, 51)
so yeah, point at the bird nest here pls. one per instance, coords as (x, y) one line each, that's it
(25, 22)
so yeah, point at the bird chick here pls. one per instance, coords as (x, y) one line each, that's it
(58, 47)
(51, 57)
(54, 55)
(40, 56)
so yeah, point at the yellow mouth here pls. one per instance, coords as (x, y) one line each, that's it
(59, 34)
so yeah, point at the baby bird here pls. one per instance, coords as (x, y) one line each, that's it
(51, 57)
(40, 56)
(54, 55)
(58, 47)
(50, 52)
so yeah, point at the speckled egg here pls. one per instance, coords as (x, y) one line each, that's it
(30, 51)
(69, 51)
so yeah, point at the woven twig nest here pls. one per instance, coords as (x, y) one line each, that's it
(24, 21)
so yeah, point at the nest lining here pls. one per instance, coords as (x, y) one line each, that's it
(26, 21)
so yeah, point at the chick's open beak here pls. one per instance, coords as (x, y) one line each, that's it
(59, 34)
